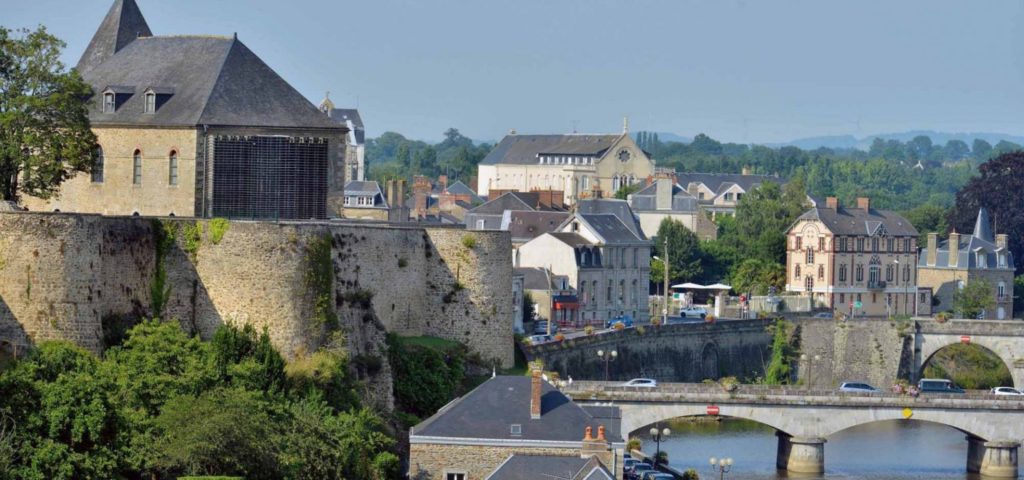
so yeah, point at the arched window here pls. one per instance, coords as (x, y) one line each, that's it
(874, 275)
(97, 166)
(888, 273)
(796, 273)
(809, 283)
(842, 272)
(1001, 291)
(108, 102)
(150, 102)
(172, 178)
(860, 272)
(821, 272)
(137, 168)
(810, 255)
(906, 273)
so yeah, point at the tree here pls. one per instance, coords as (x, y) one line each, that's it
(998, 189)
(756, 276)
(778, 371)
(683, 251)
(763, 216)
(981, 150)
(956, 150)
(625, 191)
(1018, 294)
(928, 218)
(976, 297)
(44, 123)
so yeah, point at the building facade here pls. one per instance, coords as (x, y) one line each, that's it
(365, 201)
(664, 198)
(582, 166)
(605, 261)
(196, 126)
(720, 193)
(858, 261)
(981, 256)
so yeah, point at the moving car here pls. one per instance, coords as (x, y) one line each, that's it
(695, 312)
(938, 385)
(857, 387)
(537, 339)
(541, 327)
(823, 315)
(1005, 391)
(641, 382)
(625, 320)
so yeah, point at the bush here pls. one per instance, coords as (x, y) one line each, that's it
(634, 444)
(469, 241)
(589, 329)
(619, 326)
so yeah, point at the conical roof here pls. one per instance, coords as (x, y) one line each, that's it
(983, 226)
(122, 25)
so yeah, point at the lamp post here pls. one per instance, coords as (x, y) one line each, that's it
(607, 356)
(657, 435)
(808, 360)
(664, 309)
(721, 465)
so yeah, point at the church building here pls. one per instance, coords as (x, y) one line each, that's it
(197, 125)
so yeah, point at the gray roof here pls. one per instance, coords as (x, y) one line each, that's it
(980, 241)
(646, 199)
(363, 189)
(610, 228)
(524, 149)
(122, 24)
(489, 411)
(717, 182)
(619, 208)
(527, 225)
(856, 221)
(216, 80)
(519, 201)
(532, 467)
(571, 239)
(535, 278)
(340, 115)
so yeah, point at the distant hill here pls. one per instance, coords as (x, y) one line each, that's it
(938, 138)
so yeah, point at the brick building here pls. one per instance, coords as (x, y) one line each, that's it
(517, 427)
(197, 126)
(841, 256)
(944, 267)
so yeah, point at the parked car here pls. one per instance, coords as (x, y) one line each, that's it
(1006, 391)
(938, 385)
(661, 476)
(823, 315)
(625, 320)
(857, 387)
(639, 470)
(654, 475)
(542, 327)
(695, 312)
(537, 339)
(628, 463)
(641, 382)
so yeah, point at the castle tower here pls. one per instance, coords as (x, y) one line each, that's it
(122, 25)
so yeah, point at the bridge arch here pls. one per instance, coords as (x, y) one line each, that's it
(1008, 349)
(634, 420)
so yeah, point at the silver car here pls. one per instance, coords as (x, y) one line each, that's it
(1005, 391)
(641, 382)
(857, 387)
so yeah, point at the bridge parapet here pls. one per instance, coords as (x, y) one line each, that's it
(996, 328)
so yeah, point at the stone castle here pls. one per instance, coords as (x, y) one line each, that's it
(83, 277)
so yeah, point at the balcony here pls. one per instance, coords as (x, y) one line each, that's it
(876, 285)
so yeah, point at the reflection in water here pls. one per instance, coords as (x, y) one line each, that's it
(891, 450)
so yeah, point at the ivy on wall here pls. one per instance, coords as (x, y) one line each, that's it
(319, 280)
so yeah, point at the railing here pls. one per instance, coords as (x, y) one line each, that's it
(876, 285)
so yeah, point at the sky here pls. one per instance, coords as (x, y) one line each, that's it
(748, 71)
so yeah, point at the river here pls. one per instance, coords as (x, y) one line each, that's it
(891, 450)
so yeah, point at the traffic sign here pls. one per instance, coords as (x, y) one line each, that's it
(857, 304)
(965, 339)
(713, 410)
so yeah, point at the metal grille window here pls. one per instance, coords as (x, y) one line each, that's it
(173, 167)
(137, 168)
(97, 166)
(270, 177)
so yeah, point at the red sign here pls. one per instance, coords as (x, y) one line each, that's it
(712, 409)
(965, 339)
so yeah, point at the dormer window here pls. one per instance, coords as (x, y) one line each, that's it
(150, 102)
(156, 97)
(108, 102)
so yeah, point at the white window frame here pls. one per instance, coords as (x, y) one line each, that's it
(455, 475)
(172, 168)
(150, 102)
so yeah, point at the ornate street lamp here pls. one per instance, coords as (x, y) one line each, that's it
(721, 465)
(657, 436)
(608, 356)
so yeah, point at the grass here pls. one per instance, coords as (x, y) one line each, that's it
(433, 343)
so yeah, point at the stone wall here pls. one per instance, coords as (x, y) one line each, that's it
(874, 351)
(72, 277)
(671, 353)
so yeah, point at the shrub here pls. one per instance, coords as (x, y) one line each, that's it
(589, 329)
(218, 227)
(943, 317)
(559, 337)
(633, 444)
(469, 241)
(691, 474)
(709, 319)
(619, 326)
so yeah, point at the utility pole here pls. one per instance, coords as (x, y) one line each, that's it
(551, 299)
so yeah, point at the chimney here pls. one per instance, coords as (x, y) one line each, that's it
(832, 203)
(864, 203)
(597, 447)
(535, 390)
(746, 169)
(473, 183)
(443, 180)
(663, 197)
(1001, 240)
(933, 244)
(954, 249)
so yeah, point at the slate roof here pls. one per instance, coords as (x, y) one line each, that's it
(856, 221)
(489, 411)
(356, 187)
(718, 182)
(619, 208)
(981, 240)
(340, 115)
(526, 225)
(216, 80)
(459, 188)
(532, 467)
(524, 149)
(609, 228)
(571, 239)
(646, 199)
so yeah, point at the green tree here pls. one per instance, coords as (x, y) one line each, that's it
(764, 215)
(928, 218)
(1018, 295)
(974, 298)
(778, 372)
(981, 150)
(319, 444)
(625, 191)
(683, 252)
(756, 276)
(44, 123)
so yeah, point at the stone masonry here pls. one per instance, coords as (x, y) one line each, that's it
(71, 277)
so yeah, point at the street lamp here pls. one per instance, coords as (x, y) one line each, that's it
(809, 360)
(664, 307)
(608, 356)
(722, 465)
(657, 435)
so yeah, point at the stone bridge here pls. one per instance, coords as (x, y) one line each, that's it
(877, 351)
(805, 419)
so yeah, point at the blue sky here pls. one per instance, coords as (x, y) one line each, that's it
(739, 70)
